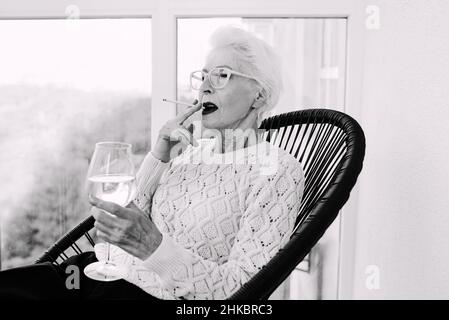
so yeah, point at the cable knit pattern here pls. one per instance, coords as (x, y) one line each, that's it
(222, 219)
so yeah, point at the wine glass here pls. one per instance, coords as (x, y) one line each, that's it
(110, 177)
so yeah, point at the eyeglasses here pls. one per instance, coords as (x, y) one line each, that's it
(218, 77)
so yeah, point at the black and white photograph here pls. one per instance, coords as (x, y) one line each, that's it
(224, 150)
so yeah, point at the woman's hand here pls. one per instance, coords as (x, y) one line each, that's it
(128, 228)
(173, 132)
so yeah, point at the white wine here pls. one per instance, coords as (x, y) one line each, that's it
(116, 188)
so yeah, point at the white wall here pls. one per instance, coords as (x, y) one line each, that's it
(403, 216)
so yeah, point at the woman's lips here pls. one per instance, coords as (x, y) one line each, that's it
(209, 107)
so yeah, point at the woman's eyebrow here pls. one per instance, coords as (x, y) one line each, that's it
(223, 66)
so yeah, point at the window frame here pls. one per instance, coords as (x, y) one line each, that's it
(164, 15)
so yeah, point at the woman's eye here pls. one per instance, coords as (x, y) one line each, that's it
(223, 75)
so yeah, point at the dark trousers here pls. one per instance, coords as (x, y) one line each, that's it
(45, 281)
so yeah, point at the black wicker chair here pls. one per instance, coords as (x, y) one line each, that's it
(330, 146)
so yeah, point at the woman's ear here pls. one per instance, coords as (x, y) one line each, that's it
(259, 100)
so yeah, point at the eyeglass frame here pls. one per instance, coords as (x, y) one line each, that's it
(226, 68)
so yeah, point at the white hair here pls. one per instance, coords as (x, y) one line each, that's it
(256, 58)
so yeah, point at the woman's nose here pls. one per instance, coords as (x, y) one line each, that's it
(206, 91)
(206, 87)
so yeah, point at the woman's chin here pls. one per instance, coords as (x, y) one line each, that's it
(208, 123)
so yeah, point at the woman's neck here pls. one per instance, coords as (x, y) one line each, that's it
(235, 139)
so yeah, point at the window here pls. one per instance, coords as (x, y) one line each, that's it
(64, 85)
(312, 52)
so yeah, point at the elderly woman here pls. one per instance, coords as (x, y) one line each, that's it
(205, 221)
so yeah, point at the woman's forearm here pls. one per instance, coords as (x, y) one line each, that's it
(147, 179)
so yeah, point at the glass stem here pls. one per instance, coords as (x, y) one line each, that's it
(107, 250)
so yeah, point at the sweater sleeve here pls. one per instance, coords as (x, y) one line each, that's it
(147, 179)
(265, 227)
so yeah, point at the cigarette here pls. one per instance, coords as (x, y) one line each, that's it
(180, 102)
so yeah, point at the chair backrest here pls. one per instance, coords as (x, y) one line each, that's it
(330, 146)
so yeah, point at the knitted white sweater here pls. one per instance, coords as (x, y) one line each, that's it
(222, 216)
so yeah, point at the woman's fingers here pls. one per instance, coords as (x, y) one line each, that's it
(106, 236)
(174, 130)
(111, 207)
(108, 226)
(187, 113)
(104, 230)
(184, 136)
(104, 218)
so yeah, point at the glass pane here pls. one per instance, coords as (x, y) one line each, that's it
(313, 53)
(64, 85)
